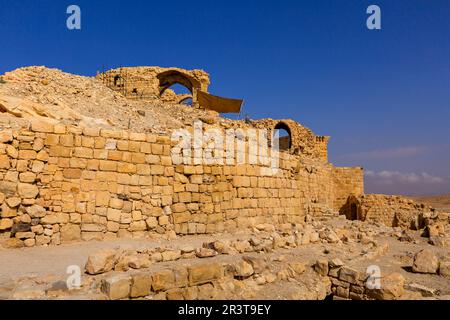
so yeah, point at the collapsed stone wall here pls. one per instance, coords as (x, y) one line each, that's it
(61, 183)
(397, 211)
(153, 82)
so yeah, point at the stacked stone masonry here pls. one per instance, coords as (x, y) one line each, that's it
(61, 184)
(396, 211)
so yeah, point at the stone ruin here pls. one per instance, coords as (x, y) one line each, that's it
(63, 183)
(154, 82)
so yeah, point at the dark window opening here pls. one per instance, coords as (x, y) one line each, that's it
(282, 137)
(116, 80)
(353, 212)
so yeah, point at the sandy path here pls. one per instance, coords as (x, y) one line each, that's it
(54, 260)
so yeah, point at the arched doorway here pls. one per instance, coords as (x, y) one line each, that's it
(353, 212)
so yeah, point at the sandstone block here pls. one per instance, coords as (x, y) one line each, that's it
(204, 273)
(101, 261)
(70, 232)
(425, 261)
(25, 235)
(298, 267)
(40, 126)
(72, 173)
(6, 224)
(141, 285)
(36, 211)
(28, 191)
(349, 275)
(392, 288)
(13, 202)
(4, 162)
(6, 136)
(114, 215)
(163, 280)
(12, 152)
(117, 287)
(171, 255)
(13, 243)
(444, 268)
(205, 253)
(243, 269)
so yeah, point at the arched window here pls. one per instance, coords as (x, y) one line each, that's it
(282, 137)
(117, 80)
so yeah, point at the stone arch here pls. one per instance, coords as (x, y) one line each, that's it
(352, 209)
(184, 98)
(171, 77)
(285, 143)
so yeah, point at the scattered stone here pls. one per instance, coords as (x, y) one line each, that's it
(350, 275)
(423, 290)
(425, 261)
(335, 263)
(441, 242)
(321, 267)
(243, 269)
(298, 267)
(444, 269)
(392, 288)
(205, 253)
(171, 255)
(258, 264)
(101, 261)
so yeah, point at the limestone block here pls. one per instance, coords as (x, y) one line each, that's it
(4, 162)
(26, 190)
(425, 261)
(117, 287)
(349, 275)
(141, 285)
(163, 280)
(101, 261)
(392, 288)
(204, 273)
(40, 126)
(6, 224)
(444, 268)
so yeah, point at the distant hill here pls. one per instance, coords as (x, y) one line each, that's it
(441, 202)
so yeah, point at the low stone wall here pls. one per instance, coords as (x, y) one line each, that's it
(60, 184)
(396, 211)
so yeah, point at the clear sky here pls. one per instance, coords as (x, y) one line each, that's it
(383, 95)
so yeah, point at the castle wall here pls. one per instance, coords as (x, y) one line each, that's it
(59, 184)
(347, 181)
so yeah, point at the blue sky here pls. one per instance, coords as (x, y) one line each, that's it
(382, 95)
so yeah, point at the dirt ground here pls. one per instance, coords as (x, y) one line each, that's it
(398, 257)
